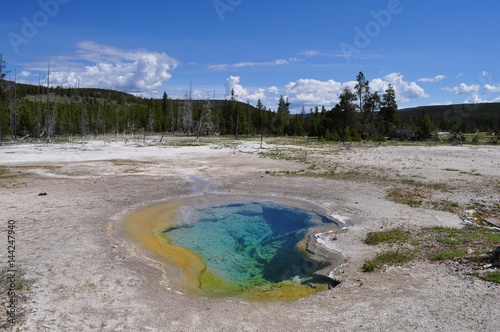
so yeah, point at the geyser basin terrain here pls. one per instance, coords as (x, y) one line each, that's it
(227, 245)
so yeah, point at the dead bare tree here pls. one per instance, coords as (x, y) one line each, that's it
(2, 91)
(132, 125)
(151, 120)
(39, 108)
(84, 118)
(205, 121)
(50, 121)
(167, 110)
(13, 107)
(150, 125)
(117, 124)
(216, 125)
(187, 114)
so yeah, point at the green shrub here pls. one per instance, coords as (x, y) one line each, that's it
(390, 236)
(492, 277)
(390, 257)
(448, 240)
(412, 202)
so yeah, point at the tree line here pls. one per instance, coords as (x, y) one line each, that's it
(42, 111)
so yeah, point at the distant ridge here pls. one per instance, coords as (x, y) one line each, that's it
(94, 110)
(457, 117)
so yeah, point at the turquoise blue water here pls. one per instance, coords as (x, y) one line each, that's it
(248, 242)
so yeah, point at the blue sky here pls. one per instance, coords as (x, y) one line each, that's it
(432, 52)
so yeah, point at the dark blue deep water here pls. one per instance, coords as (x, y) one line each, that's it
(248, 243)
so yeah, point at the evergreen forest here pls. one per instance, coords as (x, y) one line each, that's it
(43, 111)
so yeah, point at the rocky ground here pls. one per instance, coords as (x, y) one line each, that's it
(77, 274)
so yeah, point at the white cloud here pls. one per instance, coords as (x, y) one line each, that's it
(273, 90)
(463, 89)
(490, 89)
(25, 73)
(311, 92)
(431, 79)
(347, 56)
(404, 90)
(474, 99)
(242, 94)
(310, 53)
(277, 62)
(97, 65)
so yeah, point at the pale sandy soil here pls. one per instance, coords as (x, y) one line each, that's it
(84, 277)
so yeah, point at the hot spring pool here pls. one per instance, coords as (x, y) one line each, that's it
(229, 245)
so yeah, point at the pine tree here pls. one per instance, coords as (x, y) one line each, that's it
(389, 111)
(362, 90)
(282, 115)
(167, 112)
(426, 127)
(347, 113)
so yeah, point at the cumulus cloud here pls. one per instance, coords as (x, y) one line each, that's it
(490, 89)
(273, 90)
(25, 73)
(404, 90)
(97, 65)
(475, 99)
(242, 94)
(463, 89)
(312, 92)
(431, 79)
(474, 90)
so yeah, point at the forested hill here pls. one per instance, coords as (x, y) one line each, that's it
(38, 111)
(31, 111)
(465, 118)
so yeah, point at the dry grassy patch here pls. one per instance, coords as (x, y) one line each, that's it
(469, 246)
(8, 180)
